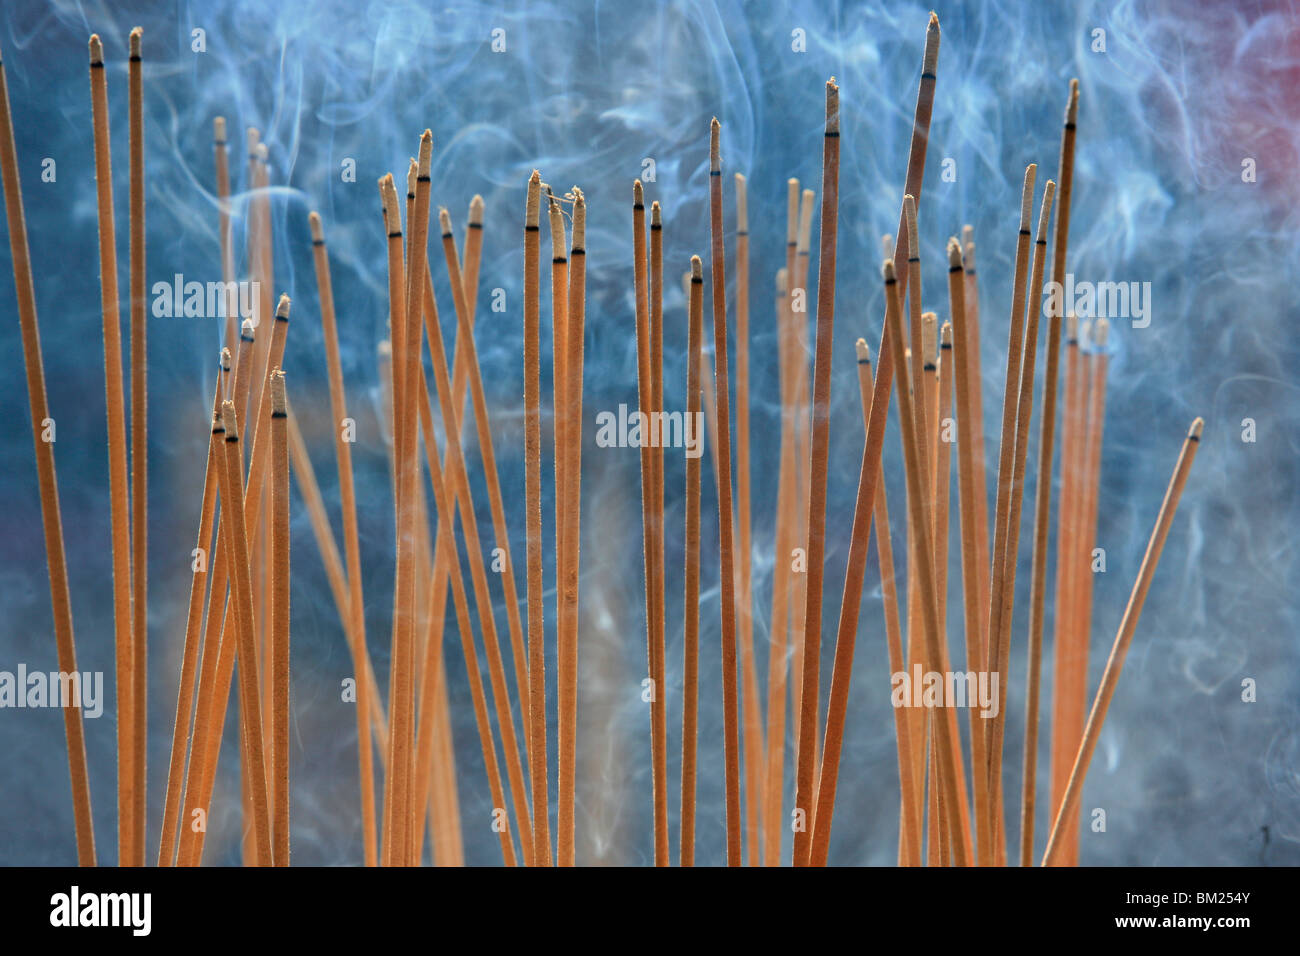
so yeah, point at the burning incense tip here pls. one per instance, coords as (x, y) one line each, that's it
(228, 420)
(279, 405)
(697, 269)
(1100, 332)
(96, 50)
(638, 194)
(805, 220)
(253, 137)
(1072, 105)
(832, 108)
(282, 309)
(656, 216)
(929, 335)
(742, 205)
(945, 336)
(967, 235)
(1194, 432)
(887, 270)
(426, 153)
(580, 220)
(219, 129)
(388, 195)
(384, 349)
(225, 360)
(136, 35)
(1045, 216)
(954, 253)
(412, 174)
(317, 230)
(476, 210)
(782, 281)
(247, 330)
(715, 156)
(262, 153)
(444, 221)
(930, 61)
(1027, 197)
(532, 210)
(863, 350)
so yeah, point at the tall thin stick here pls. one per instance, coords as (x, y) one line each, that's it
(119, 510)
(356, 633)
(1011, 550)
(726, 541)
(918, 505)
(659, 705)
(1006, 453)
(279, 621)
(778, 664)
(691, 606)
(533, 516)
(194, 620)
(571, 410)
(805, 782)
(910, 806)
(1097, 363)
(51, 520)
(1068, 693)
(753, 736)
(232, 502)
(645, 403)
(1123, 638)
(1043, 492)
(139, 454)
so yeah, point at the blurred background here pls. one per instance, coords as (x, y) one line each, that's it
(1178, 99)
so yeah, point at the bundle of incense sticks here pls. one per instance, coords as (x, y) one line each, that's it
(952, 803)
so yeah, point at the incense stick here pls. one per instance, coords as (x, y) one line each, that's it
(356, 618)
(1043, 493)
(279, 621)
(753, 733)
(1123, 639)
(659, 705)
(947, 747)
(117, 442)
(1006, 453)
(910, 808)
(139, 453)
(803, 405)
(221, 167)
(193, 620)
(571, 409)
(1087, 509)
(1010, 560)
(805, 784)
(533, 506)
(691, 605)
(478, 574)
(726, 542)
(1068, 693)
(232, 500)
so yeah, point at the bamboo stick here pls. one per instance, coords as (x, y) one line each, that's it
(691, 605)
